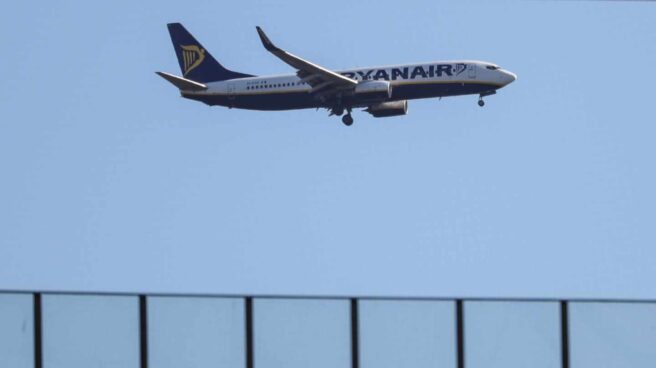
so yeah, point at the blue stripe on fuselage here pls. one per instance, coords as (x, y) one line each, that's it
(280, 100)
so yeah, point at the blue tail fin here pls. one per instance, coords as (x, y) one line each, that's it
(196, 63)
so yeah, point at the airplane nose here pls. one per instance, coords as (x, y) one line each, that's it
(508, 77)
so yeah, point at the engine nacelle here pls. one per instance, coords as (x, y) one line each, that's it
(375, 89)
(385, 109)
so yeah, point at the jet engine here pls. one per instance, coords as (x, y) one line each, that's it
(385, 109)
(374, 89)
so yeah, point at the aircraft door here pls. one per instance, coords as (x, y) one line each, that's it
(231, 90)
(471, 71)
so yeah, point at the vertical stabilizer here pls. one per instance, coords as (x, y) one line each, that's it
(196, 63)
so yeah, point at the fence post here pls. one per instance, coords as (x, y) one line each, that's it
(355, 334)
(38, 331)
(143, 331)
(460, 334)
(564, 333)
(248, 325)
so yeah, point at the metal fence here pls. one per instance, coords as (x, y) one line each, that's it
(57, 329)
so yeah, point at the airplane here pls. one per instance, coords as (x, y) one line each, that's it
(382, 91)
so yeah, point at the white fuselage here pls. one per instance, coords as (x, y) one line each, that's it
(408, 81)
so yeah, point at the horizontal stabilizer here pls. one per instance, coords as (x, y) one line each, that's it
(182, 83)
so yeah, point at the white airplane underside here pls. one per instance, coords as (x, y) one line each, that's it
(383, 91)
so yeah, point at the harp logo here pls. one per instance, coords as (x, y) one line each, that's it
(460, 68)
(192, 57)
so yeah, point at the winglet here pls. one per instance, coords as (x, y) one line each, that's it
(265, 40)
(303, 66)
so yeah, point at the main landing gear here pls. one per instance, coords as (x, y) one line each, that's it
(481, 103)
(339, 110)
(347, 119)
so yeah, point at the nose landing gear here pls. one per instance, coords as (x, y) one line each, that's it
(481, 103)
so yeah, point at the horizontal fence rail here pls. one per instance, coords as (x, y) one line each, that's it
(338, 297)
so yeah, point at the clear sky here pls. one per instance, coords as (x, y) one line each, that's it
(111, 181)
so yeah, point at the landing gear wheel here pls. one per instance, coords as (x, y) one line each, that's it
(347, 120)
(481, 103)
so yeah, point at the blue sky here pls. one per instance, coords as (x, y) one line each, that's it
(111, 181)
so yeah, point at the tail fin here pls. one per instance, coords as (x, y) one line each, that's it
(195, 62)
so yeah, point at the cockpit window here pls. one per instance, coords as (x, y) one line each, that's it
(492, 67)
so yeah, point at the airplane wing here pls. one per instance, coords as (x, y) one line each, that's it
(321, 79)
